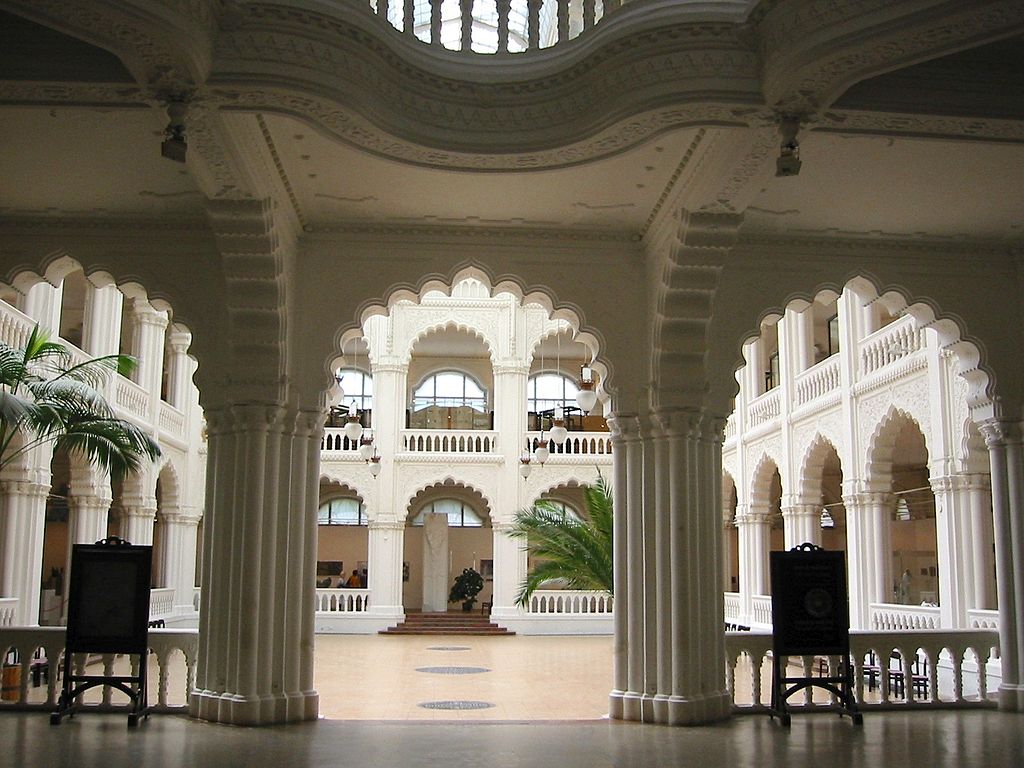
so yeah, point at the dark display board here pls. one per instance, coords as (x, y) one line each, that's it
(108, 600)
(810, 604)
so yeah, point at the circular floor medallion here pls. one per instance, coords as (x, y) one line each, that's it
(456, 704)
(453, 670)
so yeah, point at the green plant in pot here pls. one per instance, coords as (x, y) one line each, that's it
(467, 586)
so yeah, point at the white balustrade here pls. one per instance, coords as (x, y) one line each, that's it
(517, 25)
(979, 618)
(449, 441)
(342, 600)
(577, 444)
(131, 398)
(918, 669)
(762, 609)
(764, 408)
(892, 616)
(730, 426)
(172, 421)
(334, 441)
(569, 602)
(15, 326)
(889, 344)
(732, 607)
(38, 654)
(8, 610)
(818, 380)
(161, 602)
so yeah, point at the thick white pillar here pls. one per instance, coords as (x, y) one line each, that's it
(178, 555)
(634, 510)
(138, 507)
(179, 380)
(24, 486)
(755, 542)
(662, 533)
(622, 429)
(1006, 457)
(698, 692)
(953, 549)
(801, 523)
(42, 304)
(978, 490)
(256, 624)
(88, 510)
(868, 553)
(101, 323)
(386, 544)
(509, 570)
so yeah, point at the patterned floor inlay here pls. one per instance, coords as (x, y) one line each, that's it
(453, 670)
(457, 704)
(447, 647)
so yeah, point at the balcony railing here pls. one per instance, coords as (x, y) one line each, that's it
(512, 26)
(569, 602)
(919, 669)
(576, 444)
(39, 651)
(818, 381)
(161, 602)
(764, 408)
(889, 344)
(8, 610)
(978, 618)
(892, 616)
(449, 441)
(172, 421)
(342, 600)
(131, 398)
(334, 441)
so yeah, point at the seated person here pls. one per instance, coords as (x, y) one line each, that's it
(354, 581)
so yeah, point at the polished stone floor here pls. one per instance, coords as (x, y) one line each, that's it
(913, 739)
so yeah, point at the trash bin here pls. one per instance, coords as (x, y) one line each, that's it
(11, 682)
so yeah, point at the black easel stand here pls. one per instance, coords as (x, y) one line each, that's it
(108, 613)
(810, 616)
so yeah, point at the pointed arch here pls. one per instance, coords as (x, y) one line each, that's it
(812, 466)
(879, 458)
(423, 492)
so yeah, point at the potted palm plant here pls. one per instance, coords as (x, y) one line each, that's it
(467, 586)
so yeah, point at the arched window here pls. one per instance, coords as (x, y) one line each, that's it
(357, 387)
(344, 511)
(460, 514)
(546, 391)
(449, 389)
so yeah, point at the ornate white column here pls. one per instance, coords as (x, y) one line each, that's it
(24, 486)
(138, 507)
(698, 692)
(661, 627)
(978, 534)
(88, 508)
(622, 429)
(42, 304)
(801, 522)
(1006, 457)
(178, 555)
(954, 550)
(634, 563)
(755, 531)
(868, 553)
(509, 570)
(179, 382)
(148, 349)
(255, 661)
(101, 323)
(510, 383)
(386, 544)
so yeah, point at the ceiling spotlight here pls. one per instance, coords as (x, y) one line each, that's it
(174, 146)
(788, 163)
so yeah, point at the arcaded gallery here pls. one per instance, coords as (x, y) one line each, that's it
(394, 272)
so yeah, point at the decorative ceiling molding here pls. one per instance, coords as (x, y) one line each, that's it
(917, 125)
(813, 50)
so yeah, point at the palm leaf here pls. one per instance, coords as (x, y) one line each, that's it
(577, 551)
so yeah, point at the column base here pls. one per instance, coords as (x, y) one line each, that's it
(234, 709)
(697, 710)
(632, 705)
(660, 709)
(615, 705)
(1011, 697)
